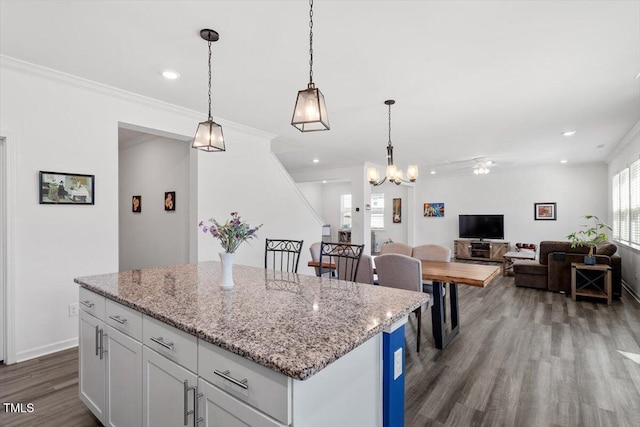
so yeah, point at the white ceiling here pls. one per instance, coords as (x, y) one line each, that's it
(497, 79)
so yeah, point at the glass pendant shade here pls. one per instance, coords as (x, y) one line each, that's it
(373, 176)
(209, 137)
(391, 172)
(412, 173)
(398, 178)
(310, 112)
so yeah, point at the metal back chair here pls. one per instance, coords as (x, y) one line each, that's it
(402, 272)
(342, 257)
(282, 255)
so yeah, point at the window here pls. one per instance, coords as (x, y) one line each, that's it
(377, 211)
(625, 189)
(345, 211)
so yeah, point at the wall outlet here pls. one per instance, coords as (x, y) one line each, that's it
(73, 309)
(397, 363)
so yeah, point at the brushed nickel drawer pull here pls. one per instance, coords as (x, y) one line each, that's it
(243, 384)
(118, 319)
(159, 340)
(87, 303)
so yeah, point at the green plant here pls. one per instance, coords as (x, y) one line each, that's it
(592, 234)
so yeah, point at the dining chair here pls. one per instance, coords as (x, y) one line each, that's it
(431, 252)
(402, 272)
(345, 257)
(365, 270)
(396, 248)
(314, 250)
(282, 255)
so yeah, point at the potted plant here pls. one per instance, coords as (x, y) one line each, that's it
(590, 235)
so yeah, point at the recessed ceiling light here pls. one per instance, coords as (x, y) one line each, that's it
(170, 74)
(316, 160)
(569, 133)
(563, 161)
(324, 181)
(432, 172)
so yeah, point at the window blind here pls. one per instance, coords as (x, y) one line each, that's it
(624, 205)
(377, 210)
(615, 194)
(634, 201)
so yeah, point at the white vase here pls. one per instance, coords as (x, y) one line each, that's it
(227, 270)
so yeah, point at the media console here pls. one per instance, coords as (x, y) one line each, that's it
(480, 250)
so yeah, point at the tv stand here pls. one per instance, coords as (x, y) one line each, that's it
(480, 250)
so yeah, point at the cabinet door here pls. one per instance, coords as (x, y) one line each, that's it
(92, 384)
(219, 409)
(462, 249)
(124, 380)
(498, 250)
(166, 401)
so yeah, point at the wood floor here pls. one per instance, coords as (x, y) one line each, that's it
(523, 358)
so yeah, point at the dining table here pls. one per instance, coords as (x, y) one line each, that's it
(441, 273)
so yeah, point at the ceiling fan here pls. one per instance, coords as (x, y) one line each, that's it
(479, 165)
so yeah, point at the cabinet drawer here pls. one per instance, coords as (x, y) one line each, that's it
(124, 319)
(260, 387)
(172, 343)
(92, 303)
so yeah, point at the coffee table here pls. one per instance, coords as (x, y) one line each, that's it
(509, 257)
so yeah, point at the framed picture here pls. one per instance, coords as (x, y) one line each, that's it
(170, 201)
(60, 188)
(434, 209)
(397, 211)
(545, 211)
(136, 204)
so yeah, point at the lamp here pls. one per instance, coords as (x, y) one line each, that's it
(310, 112)
(393, 174)
(209, 134)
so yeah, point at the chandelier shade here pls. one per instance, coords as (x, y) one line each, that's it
(209, 136)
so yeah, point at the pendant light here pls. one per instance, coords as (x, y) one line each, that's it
(393, 174)
(209, 134)
(310, 112)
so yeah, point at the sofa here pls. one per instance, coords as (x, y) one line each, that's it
(552, 270)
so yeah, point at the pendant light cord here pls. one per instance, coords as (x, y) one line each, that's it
(210, 117)
(389, 124)
(310, 42)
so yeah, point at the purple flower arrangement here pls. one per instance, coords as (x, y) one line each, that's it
(232, 233)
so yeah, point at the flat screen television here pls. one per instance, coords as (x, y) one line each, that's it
(481, 226)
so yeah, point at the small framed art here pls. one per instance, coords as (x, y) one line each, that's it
(545, 211)
(136, 204)
(170, 201)
(434, 210)
(397, 211)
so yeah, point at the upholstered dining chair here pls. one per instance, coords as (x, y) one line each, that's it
(314, 250)
(402, 272)
(396, 248)
(431, 252)
(343, 257)
(365, 270)
(282, 255)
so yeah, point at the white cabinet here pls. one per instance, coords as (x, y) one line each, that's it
(168, 392)
(92, 362)
(219, 409)
(124, 379)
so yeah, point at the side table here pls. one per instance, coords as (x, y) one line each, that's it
(596, 285)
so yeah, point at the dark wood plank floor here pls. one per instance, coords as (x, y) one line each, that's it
(523, 358)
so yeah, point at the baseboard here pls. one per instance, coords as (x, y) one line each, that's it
(631, 291)
(46, 349)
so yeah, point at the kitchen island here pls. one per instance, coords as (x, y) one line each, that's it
(168, 346)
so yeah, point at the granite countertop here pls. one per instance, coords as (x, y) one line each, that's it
(292, 323)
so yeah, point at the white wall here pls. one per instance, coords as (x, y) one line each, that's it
(578, 190)
(627, 152)
(394, 231)
(312, 191)
(154, 237)
(331, 206)
(62, 123)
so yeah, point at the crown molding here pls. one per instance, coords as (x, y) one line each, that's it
(10, 63)
(626, 140)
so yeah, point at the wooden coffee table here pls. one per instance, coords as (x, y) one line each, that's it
(509, 257)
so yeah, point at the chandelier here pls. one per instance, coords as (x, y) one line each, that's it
(209, 134)
(310, 112)
(393, 174)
